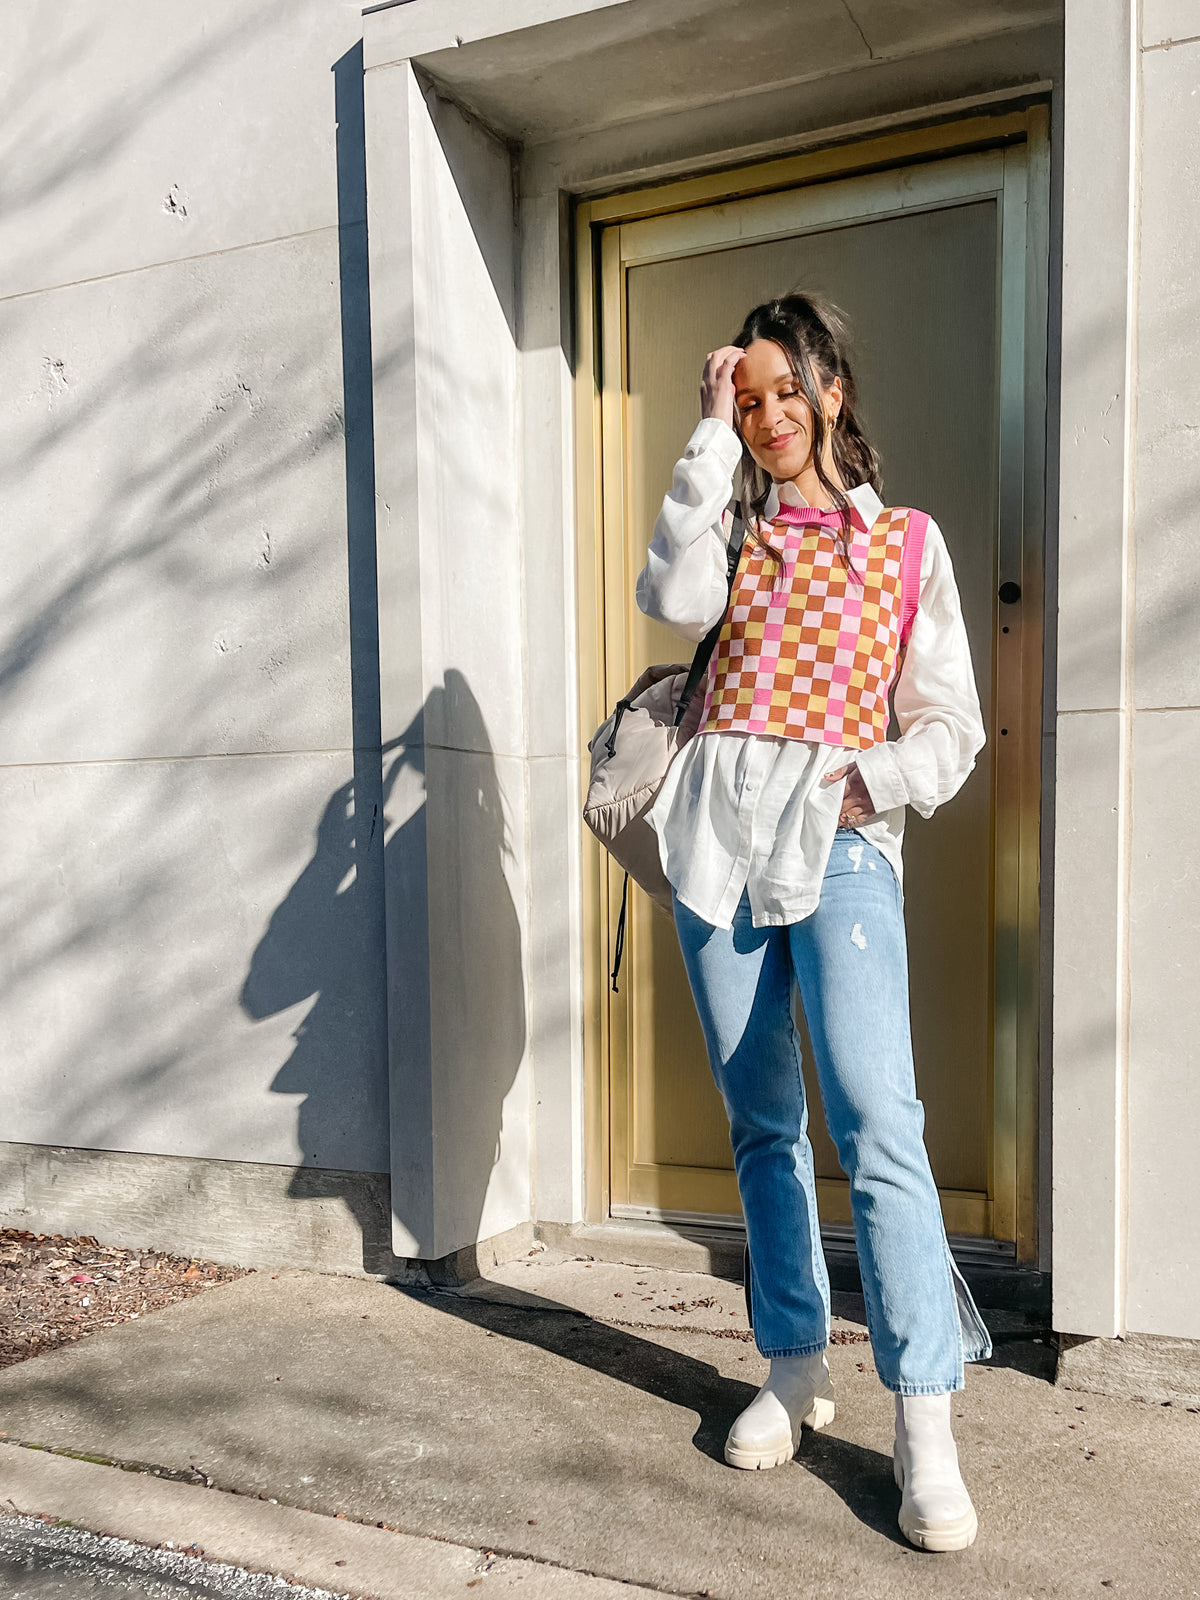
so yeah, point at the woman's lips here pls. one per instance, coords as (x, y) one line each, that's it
(781, 443)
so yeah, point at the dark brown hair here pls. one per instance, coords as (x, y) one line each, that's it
(815, 337)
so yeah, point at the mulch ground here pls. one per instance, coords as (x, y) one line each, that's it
(54, 1290)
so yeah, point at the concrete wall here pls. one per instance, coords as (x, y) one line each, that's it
(191, 959)
(210, 859)
(246, 533)
(251, 533)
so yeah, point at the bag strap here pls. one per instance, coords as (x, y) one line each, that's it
(708, 644)
(696, 672)
(916, 527)
(619, 941)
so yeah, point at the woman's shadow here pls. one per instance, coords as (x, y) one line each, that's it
(327, 940)
(860, 1476)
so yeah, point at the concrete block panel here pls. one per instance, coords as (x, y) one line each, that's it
(547, 487)
(394, 35)
(142, 134)
(461, 1117)
(479, 995)
(174, 548)
(468, 467)
(1088, 1115)
(1138, 1366)
(1094, 469)
(1167, 522)
(191, 964)
(555, 986)
(393, 397)
(242, 1213)
(1168, 22)
(443, 309)
(1164, 1050)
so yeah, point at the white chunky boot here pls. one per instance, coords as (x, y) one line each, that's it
(797, 1394)
(936, 1511)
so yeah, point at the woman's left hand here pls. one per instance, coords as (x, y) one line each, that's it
(857, 805)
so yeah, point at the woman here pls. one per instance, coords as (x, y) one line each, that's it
(779, 829)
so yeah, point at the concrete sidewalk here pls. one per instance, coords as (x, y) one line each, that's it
(559, 1427)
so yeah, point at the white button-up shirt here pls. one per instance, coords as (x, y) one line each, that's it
(746, 811)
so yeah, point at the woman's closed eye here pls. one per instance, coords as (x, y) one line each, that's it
(747, 404)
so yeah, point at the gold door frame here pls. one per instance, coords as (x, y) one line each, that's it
(600, 452)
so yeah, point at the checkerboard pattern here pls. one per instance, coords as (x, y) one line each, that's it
(808, 649)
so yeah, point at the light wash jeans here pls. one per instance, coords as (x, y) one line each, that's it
(850, 961)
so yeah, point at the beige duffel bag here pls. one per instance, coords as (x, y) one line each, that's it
(630, 756)
(631, 752)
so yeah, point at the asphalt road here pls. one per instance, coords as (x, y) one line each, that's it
(40, 1561)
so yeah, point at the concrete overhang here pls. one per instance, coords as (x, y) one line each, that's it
(544, 70)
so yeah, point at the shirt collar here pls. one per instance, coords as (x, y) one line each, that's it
(863, 498)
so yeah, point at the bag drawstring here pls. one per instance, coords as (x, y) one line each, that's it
(610, 744)
(619, 942)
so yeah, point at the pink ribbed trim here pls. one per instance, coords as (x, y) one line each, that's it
(798, 516)
(910, 571)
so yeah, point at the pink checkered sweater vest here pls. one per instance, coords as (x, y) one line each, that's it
(809, 646)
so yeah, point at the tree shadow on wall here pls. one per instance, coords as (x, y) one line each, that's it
(446, 854)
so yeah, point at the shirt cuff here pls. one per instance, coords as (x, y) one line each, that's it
(880, 772)
(712, 434)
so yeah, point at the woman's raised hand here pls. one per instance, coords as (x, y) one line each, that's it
(716, 383)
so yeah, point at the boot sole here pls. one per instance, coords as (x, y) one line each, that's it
(956, 1535)
(750, 1459)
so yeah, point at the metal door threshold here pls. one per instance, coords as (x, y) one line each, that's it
(687, 1242)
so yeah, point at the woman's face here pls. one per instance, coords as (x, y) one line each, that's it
(774, 418)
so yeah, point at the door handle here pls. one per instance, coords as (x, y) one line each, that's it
(1009, 593)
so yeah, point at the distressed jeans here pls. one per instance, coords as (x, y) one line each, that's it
(849, 960)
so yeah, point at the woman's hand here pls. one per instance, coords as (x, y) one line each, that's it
(716, 383)
(857, 805)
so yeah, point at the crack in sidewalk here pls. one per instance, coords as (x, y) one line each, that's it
(192, 1475)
